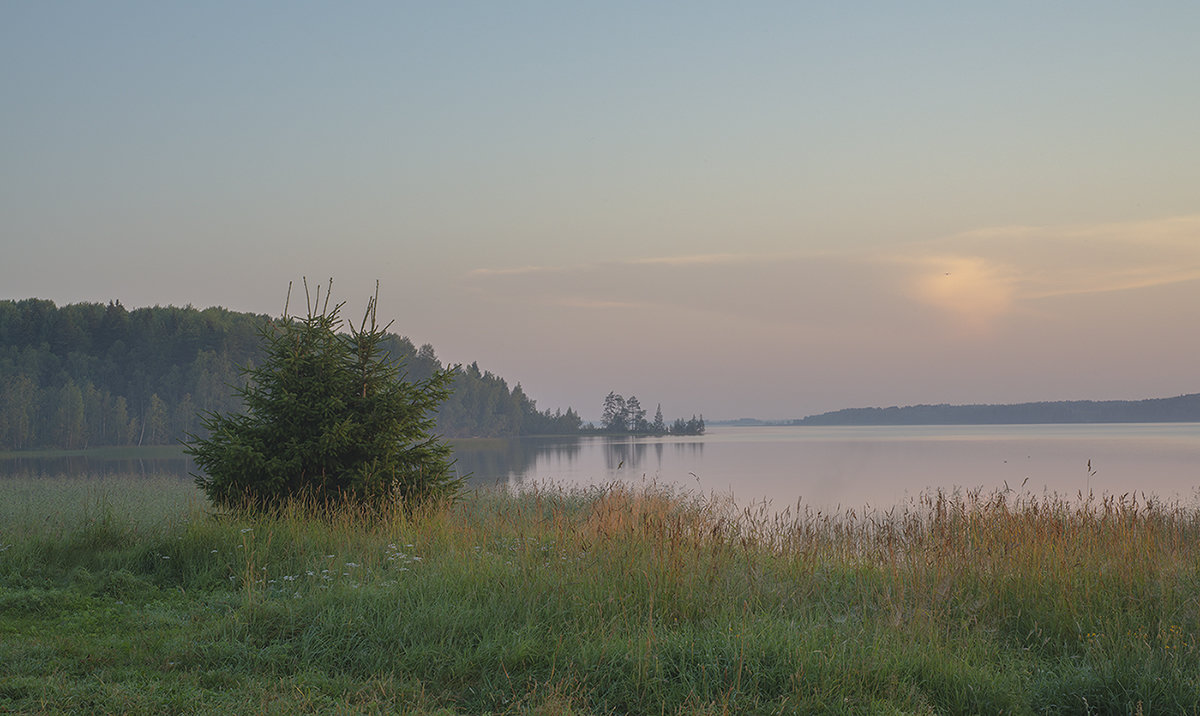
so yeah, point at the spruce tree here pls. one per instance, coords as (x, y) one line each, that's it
(659, 426)
(329, 416)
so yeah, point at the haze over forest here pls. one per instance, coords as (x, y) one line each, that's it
(773, 210)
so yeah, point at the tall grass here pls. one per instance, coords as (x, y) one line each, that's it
(627, 600)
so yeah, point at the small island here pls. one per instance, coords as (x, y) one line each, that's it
(628, 417)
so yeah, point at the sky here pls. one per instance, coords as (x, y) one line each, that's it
(768, 209)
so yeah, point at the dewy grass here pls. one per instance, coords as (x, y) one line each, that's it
(607, 600)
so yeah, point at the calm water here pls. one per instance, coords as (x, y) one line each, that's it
(148, 462)
(824, 467)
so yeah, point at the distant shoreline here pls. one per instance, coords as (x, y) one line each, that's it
(1179, 409)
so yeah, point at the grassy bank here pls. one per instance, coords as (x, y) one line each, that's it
(135, 598)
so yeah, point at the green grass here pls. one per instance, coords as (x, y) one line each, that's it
(135, 598)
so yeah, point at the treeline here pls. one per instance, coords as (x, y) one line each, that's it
(482, 405)
(628, 417)
(1183, 408)
(86, 375)
(89, 374)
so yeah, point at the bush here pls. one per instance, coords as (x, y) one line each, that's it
(329, 417)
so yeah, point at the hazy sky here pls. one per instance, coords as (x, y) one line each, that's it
(759, 209)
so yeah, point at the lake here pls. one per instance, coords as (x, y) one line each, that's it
(880, 466)
(821, 467)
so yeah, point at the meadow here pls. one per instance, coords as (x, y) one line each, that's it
(136, 596)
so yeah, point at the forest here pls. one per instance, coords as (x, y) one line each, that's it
(89, 375)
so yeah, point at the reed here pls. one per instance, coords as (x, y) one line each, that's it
(616, 599)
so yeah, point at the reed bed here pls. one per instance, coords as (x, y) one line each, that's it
(616, 599)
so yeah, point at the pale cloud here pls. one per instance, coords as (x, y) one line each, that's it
(787, 291)
(1117, 280)
(702, 259)
(1052, 261)
(593, 304)
(517, 270)
(970, 283)
(980, 277)
(676, 260)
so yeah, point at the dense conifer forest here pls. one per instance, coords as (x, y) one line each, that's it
(89, 374)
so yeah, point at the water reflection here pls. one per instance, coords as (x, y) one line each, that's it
(97, 465)
(586, 459)
(630, 453)
(488, 461)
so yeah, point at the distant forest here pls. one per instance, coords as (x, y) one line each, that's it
(89, 374)
(1181, 409)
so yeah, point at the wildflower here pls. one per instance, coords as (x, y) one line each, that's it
(247, 529)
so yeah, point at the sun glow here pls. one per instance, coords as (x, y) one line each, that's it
(971, 291)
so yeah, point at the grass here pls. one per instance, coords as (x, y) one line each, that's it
(137, 598)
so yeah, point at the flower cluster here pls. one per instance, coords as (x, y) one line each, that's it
(353, 574)
(395, 555)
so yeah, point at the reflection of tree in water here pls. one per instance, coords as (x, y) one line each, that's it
(623, 453)
(629, 453)
(96, 466)
(491, 460)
